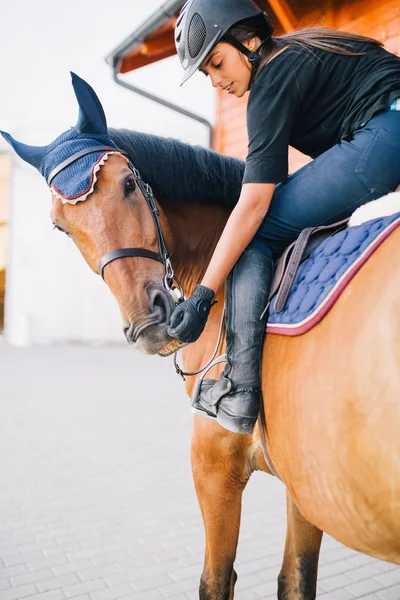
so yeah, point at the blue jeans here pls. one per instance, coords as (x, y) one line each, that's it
(333, 185)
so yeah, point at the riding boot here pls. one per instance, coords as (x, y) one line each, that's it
(234, 400)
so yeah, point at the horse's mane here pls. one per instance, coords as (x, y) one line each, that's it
(179, 172)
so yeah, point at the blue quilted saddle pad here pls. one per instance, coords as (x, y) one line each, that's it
(323, 276)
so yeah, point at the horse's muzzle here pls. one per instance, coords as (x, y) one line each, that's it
(149, 334)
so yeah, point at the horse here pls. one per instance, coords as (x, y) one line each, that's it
(330, 396)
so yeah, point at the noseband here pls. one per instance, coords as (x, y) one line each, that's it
(163, 255)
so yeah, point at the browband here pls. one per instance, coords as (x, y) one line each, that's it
(77, 155)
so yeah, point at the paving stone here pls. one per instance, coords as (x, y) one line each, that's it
(179, 587)
(64, 549)
(43, 563)
(22, 591)
(153, 582)
(386, 566)
(248, 594)
(22, 559)
(246, 582)
(126, 576)
(95, 572)
(390, 593)
(366, 572)
(268, 588)
(31, 577)
(149, 595)
(336, 595)
(366, 586)
(57, 582)
(336, 582)
(12, 571)
(113, 593)
(180, 574)
(5, 584)
(112, 512)
(51, 595)
(93, 585)
(73, 567)
(389, 578)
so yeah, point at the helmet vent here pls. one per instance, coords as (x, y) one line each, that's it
(196, 35)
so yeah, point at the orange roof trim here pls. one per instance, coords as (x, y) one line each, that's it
(158, 45)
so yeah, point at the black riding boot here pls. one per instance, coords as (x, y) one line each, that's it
(234, 400)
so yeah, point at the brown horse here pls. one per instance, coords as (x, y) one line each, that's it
(331, 396)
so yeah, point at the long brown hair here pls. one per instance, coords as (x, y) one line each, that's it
(322, 38)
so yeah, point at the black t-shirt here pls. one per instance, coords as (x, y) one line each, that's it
(311, 100)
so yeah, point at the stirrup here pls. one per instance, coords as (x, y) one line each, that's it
(197, 408)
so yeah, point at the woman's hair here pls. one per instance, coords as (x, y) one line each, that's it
(322, 38)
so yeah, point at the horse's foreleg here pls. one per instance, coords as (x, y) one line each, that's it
(298, 577)
(220, 472)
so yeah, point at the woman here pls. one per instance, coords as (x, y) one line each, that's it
(332, 95)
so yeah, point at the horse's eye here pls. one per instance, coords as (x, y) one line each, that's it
(130, 186)
(60, 229)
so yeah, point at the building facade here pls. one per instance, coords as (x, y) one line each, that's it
(380, 20)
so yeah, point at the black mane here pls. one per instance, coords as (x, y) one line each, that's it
(179, 172)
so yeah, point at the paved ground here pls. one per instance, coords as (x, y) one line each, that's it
(97, 504)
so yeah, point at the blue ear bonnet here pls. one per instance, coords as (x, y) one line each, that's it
(76, 180)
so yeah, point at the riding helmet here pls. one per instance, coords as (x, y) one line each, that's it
(202, 24)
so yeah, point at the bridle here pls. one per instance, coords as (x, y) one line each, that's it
(163, 255)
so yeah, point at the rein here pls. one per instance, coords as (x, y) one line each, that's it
(215, 361)
(211, 362)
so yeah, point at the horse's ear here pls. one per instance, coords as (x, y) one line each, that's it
(91, 114)
(33, 155)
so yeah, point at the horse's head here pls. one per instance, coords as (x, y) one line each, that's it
(99, 200)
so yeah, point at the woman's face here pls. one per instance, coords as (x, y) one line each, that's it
(228, 68)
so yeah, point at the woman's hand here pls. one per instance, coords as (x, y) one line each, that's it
(189, 318)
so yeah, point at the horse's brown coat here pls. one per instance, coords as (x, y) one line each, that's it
(331, 396)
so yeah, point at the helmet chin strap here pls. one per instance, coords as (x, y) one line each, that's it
(253, 57)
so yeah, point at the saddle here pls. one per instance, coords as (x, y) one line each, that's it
(288, 264)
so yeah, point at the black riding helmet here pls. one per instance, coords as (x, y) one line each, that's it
(203, 23)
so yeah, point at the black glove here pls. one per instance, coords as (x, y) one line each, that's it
(189, 318)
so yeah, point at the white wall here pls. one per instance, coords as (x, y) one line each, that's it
(52, 296)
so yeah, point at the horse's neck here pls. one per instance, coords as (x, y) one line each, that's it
(195, 230)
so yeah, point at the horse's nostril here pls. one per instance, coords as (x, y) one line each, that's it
(159, 305)
(125, 329)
